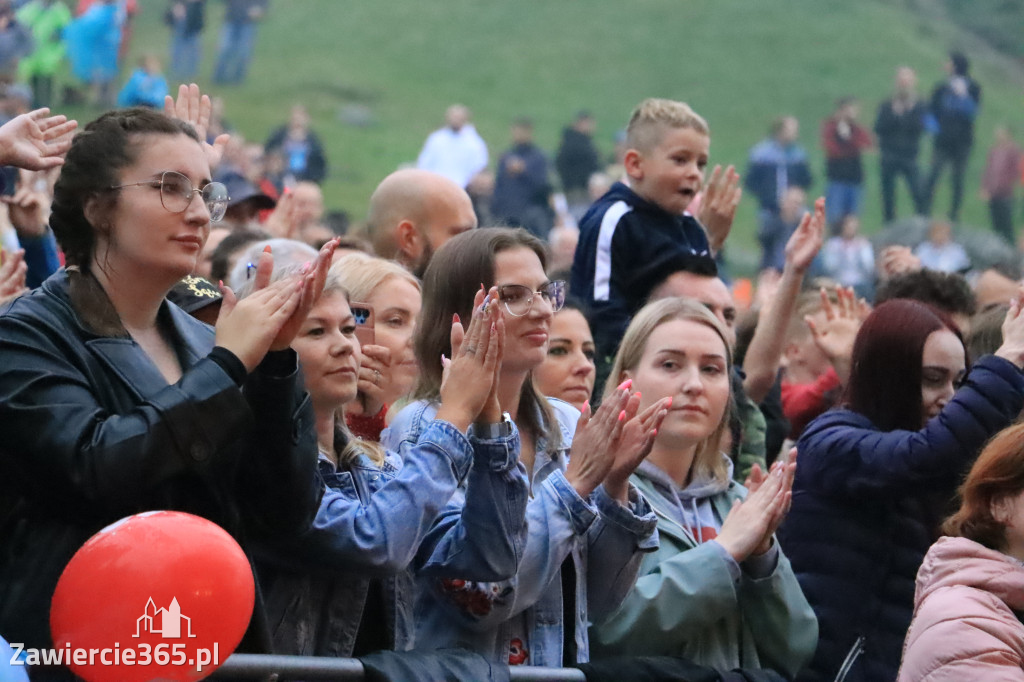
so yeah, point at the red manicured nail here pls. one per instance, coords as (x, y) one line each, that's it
(622, 415)
(267, 249)
(669, 403)
(638, 395)
(624, 386)
(455, 319)
(586, 405)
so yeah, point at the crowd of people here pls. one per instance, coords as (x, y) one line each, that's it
(458, 429)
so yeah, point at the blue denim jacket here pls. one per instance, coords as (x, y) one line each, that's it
(382, 523)
(521, 619)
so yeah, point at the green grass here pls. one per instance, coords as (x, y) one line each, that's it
(739, 63)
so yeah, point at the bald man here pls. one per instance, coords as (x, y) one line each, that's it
(413, 212)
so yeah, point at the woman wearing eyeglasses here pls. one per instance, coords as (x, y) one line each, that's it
(587, 527)
(114, 401)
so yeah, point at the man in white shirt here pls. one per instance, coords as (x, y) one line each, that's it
(455, 151)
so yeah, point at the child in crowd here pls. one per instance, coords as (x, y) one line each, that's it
(819, 344)
(940, 252)
(147, 85)
(849, 259)
(632, 237)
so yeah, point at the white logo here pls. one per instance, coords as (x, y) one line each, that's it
(163, 622)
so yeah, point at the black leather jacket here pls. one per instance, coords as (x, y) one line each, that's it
(91, 432)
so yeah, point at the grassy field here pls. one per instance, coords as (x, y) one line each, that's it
(739, 63)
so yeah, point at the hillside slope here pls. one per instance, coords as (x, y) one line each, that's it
(401, 62)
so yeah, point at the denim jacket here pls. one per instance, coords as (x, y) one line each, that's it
(384, 522)
(520, 619)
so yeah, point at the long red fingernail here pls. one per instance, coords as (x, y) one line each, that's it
(669, 403)
(625, 385)
(622, 415)
(455, 318)
(586, 406)
(267, 249)
(638, 395)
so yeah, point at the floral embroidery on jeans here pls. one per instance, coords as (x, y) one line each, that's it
(476, 599)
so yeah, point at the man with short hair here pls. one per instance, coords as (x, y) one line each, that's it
(413, 212)
(455, 151)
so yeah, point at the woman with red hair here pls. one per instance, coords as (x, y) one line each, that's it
(971, 585)
(873, 475)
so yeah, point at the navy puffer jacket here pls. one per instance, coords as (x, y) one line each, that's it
(863, 515)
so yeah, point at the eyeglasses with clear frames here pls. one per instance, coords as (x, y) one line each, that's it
(518, 299)
(176, 192)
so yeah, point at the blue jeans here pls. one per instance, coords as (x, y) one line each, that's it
(186, 52)
(841, 199)
(235, 52)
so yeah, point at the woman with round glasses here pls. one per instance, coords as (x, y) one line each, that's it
(113, 401)
(586, 526)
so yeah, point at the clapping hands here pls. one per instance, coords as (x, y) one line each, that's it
(469, 388)
(610, 443)
(722, 194)
(751, 524)
(270, 317)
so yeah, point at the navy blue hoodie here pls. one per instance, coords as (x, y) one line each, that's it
(627, 246)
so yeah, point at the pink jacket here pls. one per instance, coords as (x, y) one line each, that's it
(964, 627)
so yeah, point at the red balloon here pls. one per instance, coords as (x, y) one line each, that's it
(160, 595)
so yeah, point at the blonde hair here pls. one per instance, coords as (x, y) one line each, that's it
(350, 446)
(651, 117)
(361, 273)
(708, 460)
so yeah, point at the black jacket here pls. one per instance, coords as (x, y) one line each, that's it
(899, 135)
(863, 515)
(577, 160)
(90, 432)
(954, 114)
(627, 246)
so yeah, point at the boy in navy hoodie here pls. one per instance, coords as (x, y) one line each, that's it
(633, 237)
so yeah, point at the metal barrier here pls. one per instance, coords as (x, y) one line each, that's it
(262, 666)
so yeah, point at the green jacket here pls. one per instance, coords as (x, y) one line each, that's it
(46, 24)
(685, 603)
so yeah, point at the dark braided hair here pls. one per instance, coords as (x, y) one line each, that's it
(97, 154)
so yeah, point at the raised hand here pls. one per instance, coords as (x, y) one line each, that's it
(1012, 347)
(281, 222)
(806, 241)
(836, 336)
(36, 140)
(29, 207)
(248, 327)
(634, 445)
(312, 287)
(722, 193)
(374, 378)
(597, 439)
(195, 108)
(897, 260)
(12, 275)
(469, 388)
